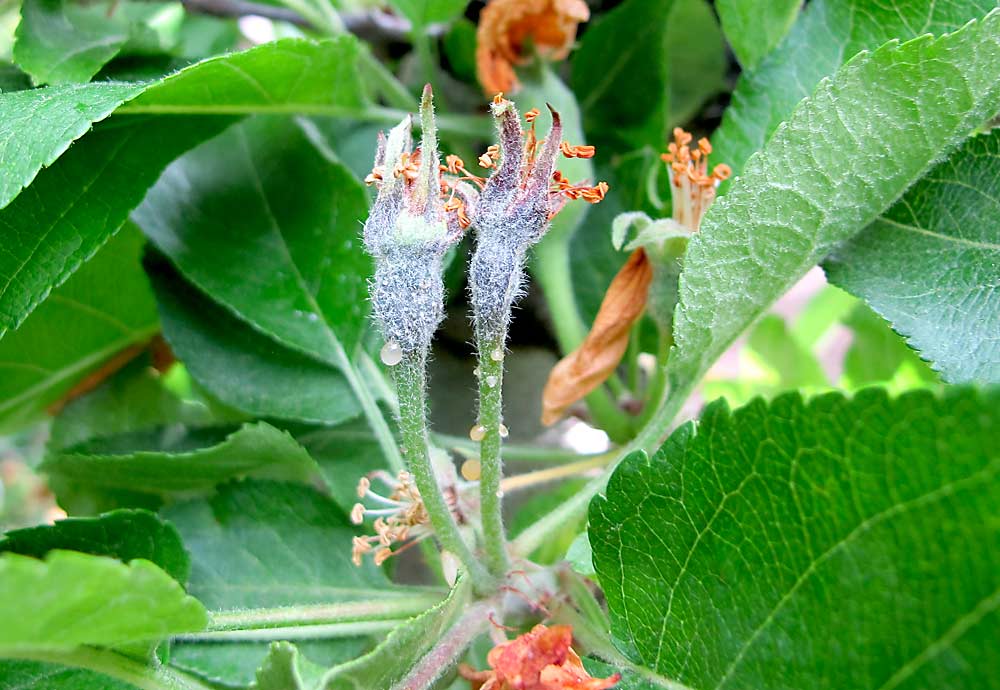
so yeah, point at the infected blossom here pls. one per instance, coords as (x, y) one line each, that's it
(408, 232)
(511, 210)
(541, 659)
(507, 26)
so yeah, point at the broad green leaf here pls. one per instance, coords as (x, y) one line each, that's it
(424, 12)
(122, 534)
(37, 126)
(261, 543)
(813, 186)
(72, 599)
(832, 544)
(171, 461)
(827, 35)
(266, 544)
(696, 60)
(388, 665)
(85, 322)
(620, 75)
(242, 367)
(134, 399)
(876, 353)
(345, 450)
(20, 675)
(74, 206)
(754, 28)
(262, 200)
(61, 41)
(930, 265)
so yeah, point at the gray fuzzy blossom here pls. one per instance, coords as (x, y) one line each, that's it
(408, 233)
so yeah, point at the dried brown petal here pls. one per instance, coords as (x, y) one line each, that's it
(589, 365)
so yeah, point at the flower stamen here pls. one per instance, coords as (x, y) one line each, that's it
(692, 187)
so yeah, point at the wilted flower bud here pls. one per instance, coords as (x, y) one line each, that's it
(513, 210)
(407, 233)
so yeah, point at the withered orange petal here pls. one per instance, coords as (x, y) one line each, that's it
(589, 365)
(519, 663)
(505, 27)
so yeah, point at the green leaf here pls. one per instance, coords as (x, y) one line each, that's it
(697, 61)
(260, 543)
(74, 206)
(60, 41)
(876, 353)
(164, 464)
(832, 544)
(72, 599)
(827, 35)
(347, 449)
(262, 200)
(267, 544)
(243, 368)
(625, 99)
(424, 12)
(122, 534)
(134, 399)
(85, 322)
(930, 265)
(754, 29)
(389, 664)
(37, 126)
(19, 675)
(812, 187)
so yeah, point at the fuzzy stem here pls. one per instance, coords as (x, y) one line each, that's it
(411, 386)
(490, 458)
(449, 648)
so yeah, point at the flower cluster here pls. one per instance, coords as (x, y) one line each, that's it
(400, 517)
(541, 659)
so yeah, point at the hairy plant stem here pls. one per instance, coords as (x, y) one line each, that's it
(450, 648)
(136, 673)
(490, 457)
(410, 375)
(403, 604)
